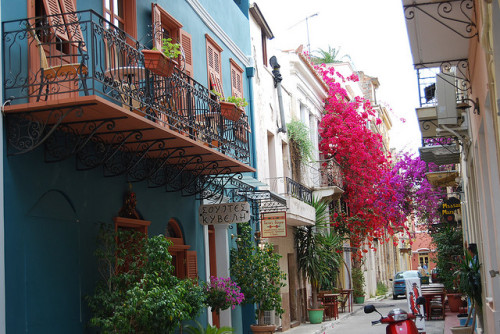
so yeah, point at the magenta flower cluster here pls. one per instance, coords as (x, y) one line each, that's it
(223, 293)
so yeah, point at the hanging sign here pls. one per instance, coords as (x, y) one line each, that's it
(273, 224)
(226, 213)
(450, 208)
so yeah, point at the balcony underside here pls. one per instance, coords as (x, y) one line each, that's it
(299, 213)
(439, 31)
(440, 154)
(99, 132)
(443, 179)
(331, 192)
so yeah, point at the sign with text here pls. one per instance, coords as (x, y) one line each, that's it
(273, 224)
(226, 213)
(450, 208)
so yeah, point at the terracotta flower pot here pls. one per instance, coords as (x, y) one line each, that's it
(454, 301)
(230, 111)
(158, 63)
(263, 329)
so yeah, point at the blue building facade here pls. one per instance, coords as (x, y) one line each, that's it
(86, 119)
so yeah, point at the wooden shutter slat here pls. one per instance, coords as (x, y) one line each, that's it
(191, 265)
(75, 32)
(186, 43)
(157, 29)
(210, 58)
(57, 22)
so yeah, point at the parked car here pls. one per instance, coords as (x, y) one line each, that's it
(399, 285)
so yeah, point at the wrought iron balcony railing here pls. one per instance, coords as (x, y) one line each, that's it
(455, 74)
(329, 174)
(439, 141)
(285, 185)
(78, 54)
(299, 191)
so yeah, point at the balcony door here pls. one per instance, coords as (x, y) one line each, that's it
(57, 36)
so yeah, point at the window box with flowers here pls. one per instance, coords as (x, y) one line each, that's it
(162, 62)
(231, 107)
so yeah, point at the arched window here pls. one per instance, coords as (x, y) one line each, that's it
(184, 260)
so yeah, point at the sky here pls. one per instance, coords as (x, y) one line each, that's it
(372, 33)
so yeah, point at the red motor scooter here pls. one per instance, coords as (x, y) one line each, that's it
(398, 320)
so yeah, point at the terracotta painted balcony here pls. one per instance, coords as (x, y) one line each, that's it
(78, 85)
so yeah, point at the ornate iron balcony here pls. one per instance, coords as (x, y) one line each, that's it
(328, 175)
(298, 191)
(55, 58)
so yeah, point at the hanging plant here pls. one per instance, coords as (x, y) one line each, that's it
(300, 141)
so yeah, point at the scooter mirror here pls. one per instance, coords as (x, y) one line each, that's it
(369, 308)
(421, 300)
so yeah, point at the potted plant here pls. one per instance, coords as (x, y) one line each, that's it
(222, 293)
(449, 249)
(138, 292)
(257, 271)
(231, 107)
(162, 62)
(318, 258)
(468, 277)
(358, 285)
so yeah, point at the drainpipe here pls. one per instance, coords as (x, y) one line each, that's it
(250, 71)
(277, 84)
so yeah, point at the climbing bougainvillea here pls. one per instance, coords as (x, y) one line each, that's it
(380, 195)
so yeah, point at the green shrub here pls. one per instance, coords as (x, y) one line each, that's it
(301, 143)
(139, 292)
(381, 288)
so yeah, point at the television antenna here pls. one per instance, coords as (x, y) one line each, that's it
(307, 28)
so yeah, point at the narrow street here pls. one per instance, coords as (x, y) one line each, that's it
(359, 322)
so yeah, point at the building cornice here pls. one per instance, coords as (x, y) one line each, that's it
(218, 31)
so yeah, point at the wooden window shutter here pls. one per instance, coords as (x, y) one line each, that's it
(213, 65)
(52, 8)
(191, 265)
(157, 29)
(186, 43)
(74, 29)
(236, 79)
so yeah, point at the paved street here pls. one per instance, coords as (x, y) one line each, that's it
(360, 323)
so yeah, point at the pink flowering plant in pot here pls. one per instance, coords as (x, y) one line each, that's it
(222, 293)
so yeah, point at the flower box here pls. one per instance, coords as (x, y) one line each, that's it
(230, 111)
(158, 63)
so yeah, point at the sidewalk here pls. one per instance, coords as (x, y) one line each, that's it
(308, 328)
(432, 327)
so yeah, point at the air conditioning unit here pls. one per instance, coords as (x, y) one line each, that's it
(447, 113)
(270, 318)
